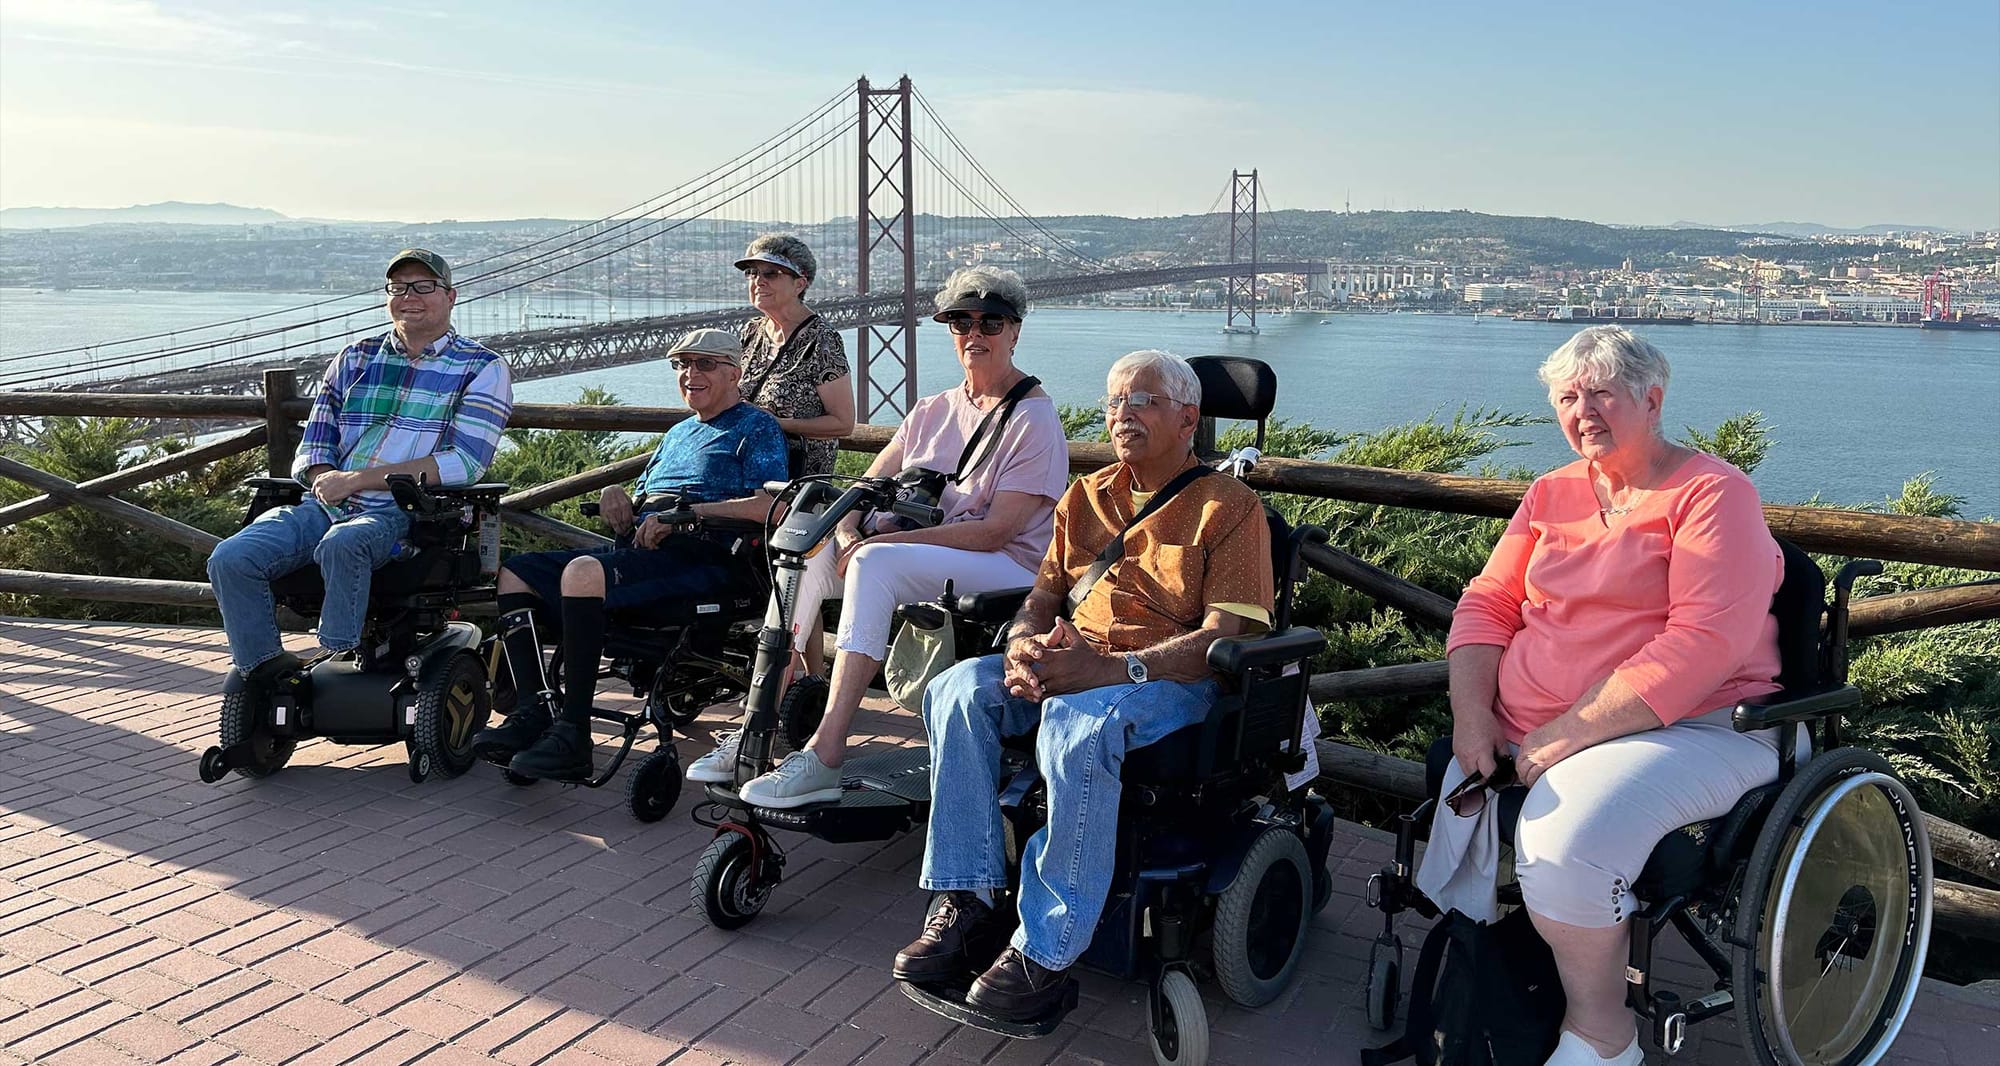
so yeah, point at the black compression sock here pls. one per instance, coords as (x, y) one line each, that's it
(583, 646)
(524, 647)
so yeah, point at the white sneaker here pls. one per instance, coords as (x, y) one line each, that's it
(718, 767)
(797, 782)
(1573, 1050)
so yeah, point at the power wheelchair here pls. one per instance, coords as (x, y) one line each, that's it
(679, 657)
(1221, 850)
(1810, 900)
(419, 675)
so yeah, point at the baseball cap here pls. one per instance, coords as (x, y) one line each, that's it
(715, 343)
(425, 258)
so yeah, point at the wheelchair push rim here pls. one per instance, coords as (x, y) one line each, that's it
(1844, 903)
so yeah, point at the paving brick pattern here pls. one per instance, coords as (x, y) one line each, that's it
(338, 913)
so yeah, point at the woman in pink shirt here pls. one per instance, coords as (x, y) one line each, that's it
(998, 515)
(1624, 612)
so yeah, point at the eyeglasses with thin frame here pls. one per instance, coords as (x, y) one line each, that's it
(766, 273)
(706, 364)
(421, 288)
(989, 325)
(1469, 798)
(1137, 401)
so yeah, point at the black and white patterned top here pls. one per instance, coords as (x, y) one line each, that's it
(785, 380)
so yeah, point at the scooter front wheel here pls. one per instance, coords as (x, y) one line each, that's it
(726, 884)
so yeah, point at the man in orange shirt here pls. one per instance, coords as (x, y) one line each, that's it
(1129, 667)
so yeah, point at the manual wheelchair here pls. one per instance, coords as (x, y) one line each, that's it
(1221, 850)
(419, 674)
(680, 657)
(1810, 900)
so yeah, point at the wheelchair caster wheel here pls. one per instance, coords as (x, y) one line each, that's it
(1180, 1023)
(420, 766)
(655, 786)
(726, 886)
(1383, 992)
(212, 766)
(518, 780)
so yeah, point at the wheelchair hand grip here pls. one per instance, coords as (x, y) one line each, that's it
(590, 510)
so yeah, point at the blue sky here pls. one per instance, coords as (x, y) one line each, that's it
(1842, 113)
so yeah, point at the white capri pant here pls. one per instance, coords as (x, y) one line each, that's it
(1591, 821)
(881, 577)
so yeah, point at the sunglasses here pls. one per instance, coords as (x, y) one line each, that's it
(1469, 798)
(705, 364)
(989, 325)
(766, 273)
(421, 288)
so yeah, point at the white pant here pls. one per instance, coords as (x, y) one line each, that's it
(882, 576)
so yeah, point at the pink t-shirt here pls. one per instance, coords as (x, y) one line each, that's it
(1032, 456)
(1673, 597)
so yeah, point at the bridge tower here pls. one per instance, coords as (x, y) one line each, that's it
(1243, 190)
(887, 353)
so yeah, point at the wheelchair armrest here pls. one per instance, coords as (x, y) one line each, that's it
(1791, 705)
(996, 605)
(483, 490)
(1236, 656)
(280, 484)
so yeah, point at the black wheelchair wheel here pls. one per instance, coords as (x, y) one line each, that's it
(239, 723)
(1834, 918)
(1180, 1023)
(655, 786)
(800, 711)
(452, 705)
(1261, 919)
(725, 887)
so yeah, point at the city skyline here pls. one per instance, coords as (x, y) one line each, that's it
(1699, 113)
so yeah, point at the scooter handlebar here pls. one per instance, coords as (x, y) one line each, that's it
(921, 514)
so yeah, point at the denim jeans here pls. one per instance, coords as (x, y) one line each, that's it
(1066, 870)
(280, 541)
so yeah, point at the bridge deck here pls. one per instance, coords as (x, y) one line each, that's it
(339, 913)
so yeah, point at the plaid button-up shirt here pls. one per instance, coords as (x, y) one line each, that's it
(377, 405)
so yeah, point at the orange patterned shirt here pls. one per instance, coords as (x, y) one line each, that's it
(1208, 548)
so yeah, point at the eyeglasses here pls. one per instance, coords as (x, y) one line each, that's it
(421, 288)
(1137, 401)
(989, 325)
(1469, 798)
(706, 364)
(767, 273)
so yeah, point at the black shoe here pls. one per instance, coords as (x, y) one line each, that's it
(266, 675)
(953, 932)
(1016, 988)
(562, 754)
(521, 729)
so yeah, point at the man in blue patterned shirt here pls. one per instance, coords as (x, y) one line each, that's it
(718, 462)
(419, 400)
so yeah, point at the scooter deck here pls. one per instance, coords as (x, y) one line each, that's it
(949, 1001)
(884, 795)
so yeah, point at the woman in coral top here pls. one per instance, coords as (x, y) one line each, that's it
(1624, 612)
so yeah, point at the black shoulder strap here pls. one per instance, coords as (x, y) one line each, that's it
(1116, 549)
(1419, 1039)
(1003, 410)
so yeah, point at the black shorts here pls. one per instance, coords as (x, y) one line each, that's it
(681, 568)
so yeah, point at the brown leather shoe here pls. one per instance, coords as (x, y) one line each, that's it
(951, 932)
(1017, 988)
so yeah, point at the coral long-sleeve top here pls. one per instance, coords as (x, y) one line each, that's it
(1672, 596)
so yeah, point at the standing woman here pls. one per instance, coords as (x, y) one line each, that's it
(794, 364)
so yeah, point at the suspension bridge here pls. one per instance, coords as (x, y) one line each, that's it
(889, 197)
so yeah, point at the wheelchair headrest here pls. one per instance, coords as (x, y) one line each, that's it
(1233, 386)
(1798, 605)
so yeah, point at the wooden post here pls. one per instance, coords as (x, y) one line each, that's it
(280, 385)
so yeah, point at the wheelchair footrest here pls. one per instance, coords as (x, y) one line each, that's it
(949, 1001)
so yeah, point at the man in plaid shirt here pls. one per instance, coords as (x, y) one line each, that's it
(419, 400)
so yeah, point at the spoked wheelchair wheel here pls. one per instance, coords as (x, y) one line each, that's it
(655, 786)
(1261, 919)
(239, 723)
(452, 705)
(725, 886)
(1835, 916)
(1180, 1023)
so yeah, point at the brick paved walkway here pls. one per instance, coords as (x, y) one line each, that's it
(338, 913)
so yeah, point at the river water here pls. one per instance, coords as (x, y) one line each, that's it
(1854, 410)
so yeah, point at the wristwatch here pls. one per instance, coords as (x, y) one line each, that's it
(1135, 669)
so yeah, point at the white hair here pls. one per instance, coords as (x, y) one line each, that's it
(991, 282)
(1174, 373)
(1603, 355)
(790, 247)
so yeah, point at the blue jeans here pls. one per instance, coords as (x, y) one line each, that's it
(280, 541)
(1066, 870)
